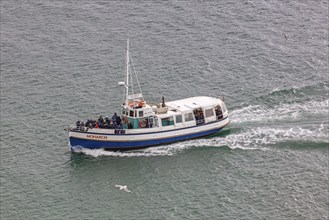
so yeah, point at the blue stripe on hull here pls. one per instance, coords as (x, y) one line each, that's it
(94, 144)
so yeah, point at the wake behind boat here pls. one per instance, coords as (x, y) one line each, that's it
(142, 125)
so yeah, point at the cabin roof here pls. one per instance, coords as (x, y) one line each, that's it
(193, 103)
(169, 113)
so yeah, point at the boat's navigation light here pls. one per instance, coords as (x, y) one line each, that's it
(121, 83)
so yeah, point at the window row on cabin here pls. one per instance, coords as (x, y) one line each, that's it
(133, 113)
(169, 120)
(179, 119)
(188, 117)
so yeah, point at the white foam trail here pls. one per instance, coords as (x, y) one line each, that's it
(294, 111)
(165, 150)
(248, 139)
(260, 138)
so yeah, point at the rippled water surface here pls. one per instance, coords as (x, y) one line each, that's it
(61, 61)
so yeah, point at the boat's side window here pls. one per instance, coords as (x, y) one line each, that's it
(209, 113)
(123, 112)
(219, 113)
(167, 121)
(189, 117)
(179, 119)
(140, 114)
(131, 113)
(156, 122)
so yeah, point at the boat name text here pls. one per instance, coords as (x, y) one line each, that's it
(96, 137)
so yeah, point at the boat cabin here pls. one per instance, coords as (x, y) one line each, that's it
(193, 111)
(180, 113)
(137, 114)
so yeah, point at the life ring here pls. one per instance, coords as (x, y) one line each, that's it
(124, 119)
(143, 123)
(131, 104)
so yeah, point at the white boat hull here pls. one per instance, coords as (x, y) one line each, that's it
(141, 138)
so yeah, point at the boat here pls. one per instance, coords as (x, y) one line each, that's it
(142, 125)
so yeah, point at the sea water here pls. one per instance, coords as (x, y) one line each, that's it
(61, 62)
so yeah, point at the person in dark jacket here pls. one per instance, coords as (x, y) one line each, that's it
(114, 118)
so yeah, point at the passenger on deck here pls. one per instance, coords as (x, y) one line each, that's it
(107, 120)
(197, 117)
(80, 123)
(88, 124)
(106, 125)
(114, 118)
(93, 123)
(111, 124)
(100, 119)
(101, 122)
(118, 120)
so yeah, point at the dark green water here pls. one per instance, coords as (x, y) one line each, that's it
(61, 61)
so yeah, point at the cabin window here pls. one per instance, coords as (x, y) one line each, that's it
(167, 121)
(179, 119)
(209, 113)
(131, 113)
(219, 113)
(156, 122)
(140, 114)
(123, 112)
(189, 117)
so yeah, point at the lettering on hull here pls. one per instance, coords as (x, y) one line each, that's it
(100, 137)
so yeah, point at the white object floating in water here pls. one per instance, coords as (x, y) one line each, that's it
(125, 188)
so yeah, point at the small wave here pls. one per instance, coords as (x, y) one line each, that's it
(294, 93)
(259, 138)
(278, 91)
(287, 111)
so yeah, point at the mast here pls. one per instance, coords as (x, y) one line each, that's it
(134, 97)
(127, 73)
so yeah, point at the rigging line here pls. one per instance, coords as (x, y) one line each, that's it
(132, 84)
(139, 86)
(124, 88)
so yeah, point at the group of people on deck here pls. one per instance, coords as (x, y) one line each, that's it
(102, 122)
